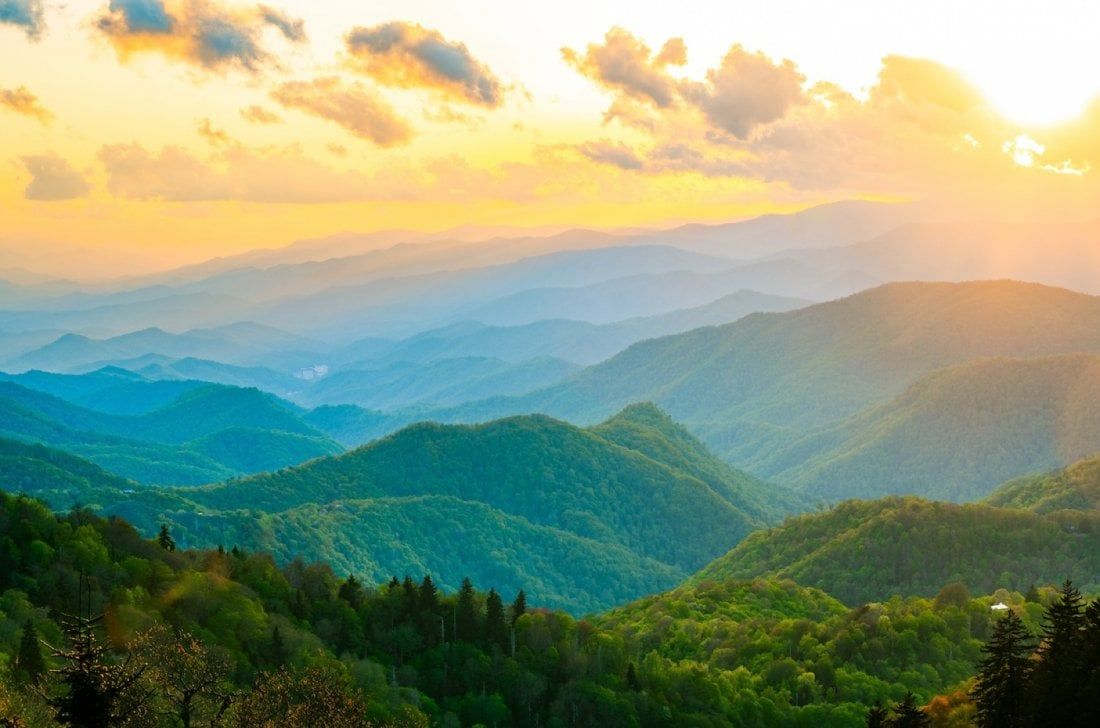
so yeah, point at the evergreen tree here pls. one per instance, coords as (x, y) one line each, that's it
(351, 591)
(164, 538)
(519, 607)
(410, 598)
(1090, 708)
(1033, 595)
(429, 596)
(1003, 675)
(1057, 676)
(466, 616)
(496, 628)
(878, 716)
(30, 666)
(631, 677)
(907, 714)
(278, 656)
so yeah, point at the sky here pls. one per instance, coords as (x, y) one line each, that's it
(163, 132)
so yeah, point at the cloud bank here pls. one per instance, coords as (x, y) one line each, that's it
(199, 32)
(53, 179)
(24, 14)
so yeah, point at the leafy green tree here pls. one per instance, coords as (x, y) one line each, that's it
(1003, 675)
(29, 664)
(1056, 678)
(519, 606)
(164, 538)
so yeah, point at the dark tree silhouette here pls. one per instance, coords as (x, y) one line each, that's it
(164, 538)
(30, 665)
(1056, 682)
(878, 716)
(1003, 674)
(907, 714)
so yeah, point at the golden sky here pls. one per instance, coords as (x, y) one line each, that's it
(170, 131)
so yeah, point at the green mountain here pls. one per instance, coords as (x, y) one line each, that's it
(1075, 488)
(771, 378)
(864, 551)
(953, 434)
(579, 519)
(194, 439)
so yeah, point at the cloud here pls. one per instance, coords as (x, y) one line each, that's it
(407, 55)
(25, 14)
(293, 29)
(199, 32)
(613, 153)
(352, 106)
(626, 64)
(260, 115)
(53, 179)
(22, 101)
(746, 91)
(216, 137)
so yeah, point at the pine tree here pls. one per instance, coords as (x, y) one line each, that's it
(1033, 595)
(631, 677)
(1057, 676)
(279, 654)
(429, 596)
(30, 666)
(907, 714)
(164, 538)
(351, 591)
(428, 610)
(1090, 707)
(410, 598)
(466, 616)
(878, 716)
(519, 607)
(1003, 675)
(496, 628)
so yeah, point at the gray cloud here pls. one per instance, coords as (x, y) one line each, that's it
(613, 153)
(408, 55)
(352, 106)
(25, 14)
(22, 101)
(626, 64)
(53, 179)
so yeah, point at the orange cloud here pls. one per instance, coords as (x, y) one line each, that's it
(22, 101)
(259, 115)
(626, 64)
(53, 179)
(408, 55)
(352, 106)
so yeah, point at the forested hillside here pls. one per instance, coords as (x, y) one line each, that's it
(584, 519)
(1074, 488)
(871, 550)
(192, 635)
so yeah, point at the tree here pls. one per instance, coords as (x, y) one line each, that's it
(278, 655)
(309, 699)
(907, 714)
(1090, 709)
(519, 607)
(190, 675)
(351, 591)
(164, 538)
(1033, 595)
(29, 665)
(98, 693)
(1057, 676)
(466, 616)
(1003, 674)
(954, 594)
(496, 628)
(878, 716)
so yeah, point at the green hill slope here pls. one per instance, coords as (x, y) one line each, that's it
(954, 434)
(868, 550)
(1075, 488)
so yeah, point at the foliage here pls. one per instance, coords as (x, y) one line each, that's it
(1074, 488)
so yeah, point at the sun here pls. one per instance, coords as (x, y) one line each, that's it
(1035, 95)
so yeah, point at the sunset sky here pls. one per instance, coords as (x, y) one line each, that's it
(177, 130)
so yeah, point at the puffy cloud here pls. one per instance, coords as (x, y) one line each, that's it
(25, 14)
(199, 32)
(352, 106)
(260, 115)
(22, 101)
(626, 64)
(53, 179)
(408, 55)
(614, 153)
(746, 91)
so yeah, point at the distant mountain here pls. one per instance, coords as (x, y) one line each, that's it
(441, 382)
(525, 497)
(233, 343)
(1057, 254)
(110, 390)
(572, 340)
(269, 380)
(1074, 488)
(863, 551)
(191, 440)
(954, 434)
(771, 378)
